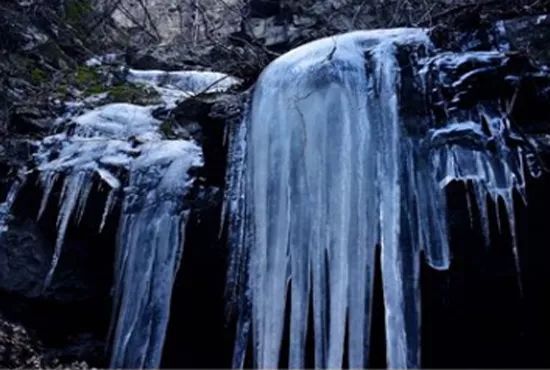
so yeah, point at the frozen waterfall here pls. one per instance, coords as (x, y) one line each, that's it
(150, 246)
(322, 172)
(120, 147)
(109, 143)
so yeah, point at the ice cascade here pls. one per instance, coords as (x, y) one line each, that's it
(150, 244)
(322, 172)
(107, 144)
(120, 147)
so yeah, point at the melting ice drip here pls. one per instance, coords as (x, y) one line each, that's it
(321, 172)
(120, 141)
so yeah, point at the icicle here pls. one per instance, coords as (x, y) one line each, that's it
(83, 200)
(118, 139)
(469, 204)
(149, 246)
(109, 204)
(75, 191)
(48, 180)
(481, 197)
(496, 202)
(234, 173)
(510, 210)
(234, 207)
(11, 197)
(322, 189)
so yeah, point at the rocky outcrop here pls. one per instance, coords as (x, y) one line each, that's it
(161, 21)
(530, 35)
(241, 37)
(21, 348)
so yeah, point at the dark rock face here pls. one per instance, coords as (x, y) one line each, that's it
(35, 334)
(19, 33)
(474, 314)
(29, 120)
(67, 322)
(209, 116)
(23, 252)
(530, 35)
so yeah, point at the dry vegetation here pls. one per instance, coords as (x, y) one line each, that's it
(230, 34)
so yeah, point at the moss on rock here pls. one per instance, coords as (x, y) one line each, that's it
(136, 94)
(89, 81)
(38, 76)
(77, 11)
(167, 128)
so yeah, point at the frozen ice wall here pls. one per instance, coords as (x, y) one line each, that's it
(322, 172)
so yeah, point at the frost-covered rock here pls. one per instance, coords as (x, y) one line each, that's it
(530, 34)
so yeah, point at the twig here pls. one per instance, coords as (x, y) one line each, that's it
(354, 19)
(426, 15)
(106, 14)
(148, 16)
(210, 86)
(463, 7)
(143, 27)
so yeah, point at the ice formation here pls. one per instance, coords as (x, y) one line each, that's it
(7, 204)
(100, 144)
(121, 146)
(150, 246)
(176, 85)
(322, 172)
(107, 143)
